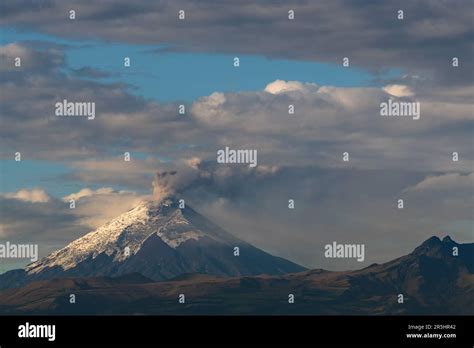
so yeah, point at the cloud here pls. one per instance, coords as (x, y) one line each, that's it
(348, 205)
(369, 34)
(87, 192)
(398, 90)
(52, 223)
(28, 109)
(210, 107)
(35, 195)
(136, 174)
(446, 198)
(96, 207)
(327, 121)
(331, 120)
(35, 216)
(344, 204)
(446, 183)
(280, 86)
(88, 72)
(176, 177)
(34, 58)
(49, 222)
(194, 162)
(207, 178)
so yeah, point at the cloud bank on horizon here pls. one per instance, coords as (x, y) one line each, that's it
(300, 154)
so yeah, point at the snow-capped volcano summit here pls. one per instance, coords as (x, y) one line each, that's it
(123, 236)
(160, 241)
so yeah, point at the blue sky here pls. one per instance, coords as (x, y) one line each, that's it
(170, 76)
(29, 174)
(164, 75)
(159, 73)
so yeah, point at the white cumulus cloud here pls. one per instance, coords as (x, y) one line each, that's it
(281, 86)
(398, 90)
(35, 195)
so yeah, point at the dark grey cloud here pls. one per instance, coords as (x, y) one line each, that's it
(123, 122)
(369, 32)
(34, 60)
(344, 205)
(31, 222)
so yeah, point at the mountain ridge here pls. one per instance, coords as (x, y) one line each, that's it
(431, 279)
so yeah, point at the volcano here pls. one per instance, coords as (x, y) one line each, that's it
(158, 240)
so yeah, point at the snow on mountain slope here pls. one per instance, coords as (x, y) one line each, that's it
(129, 230)
(160, 241)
